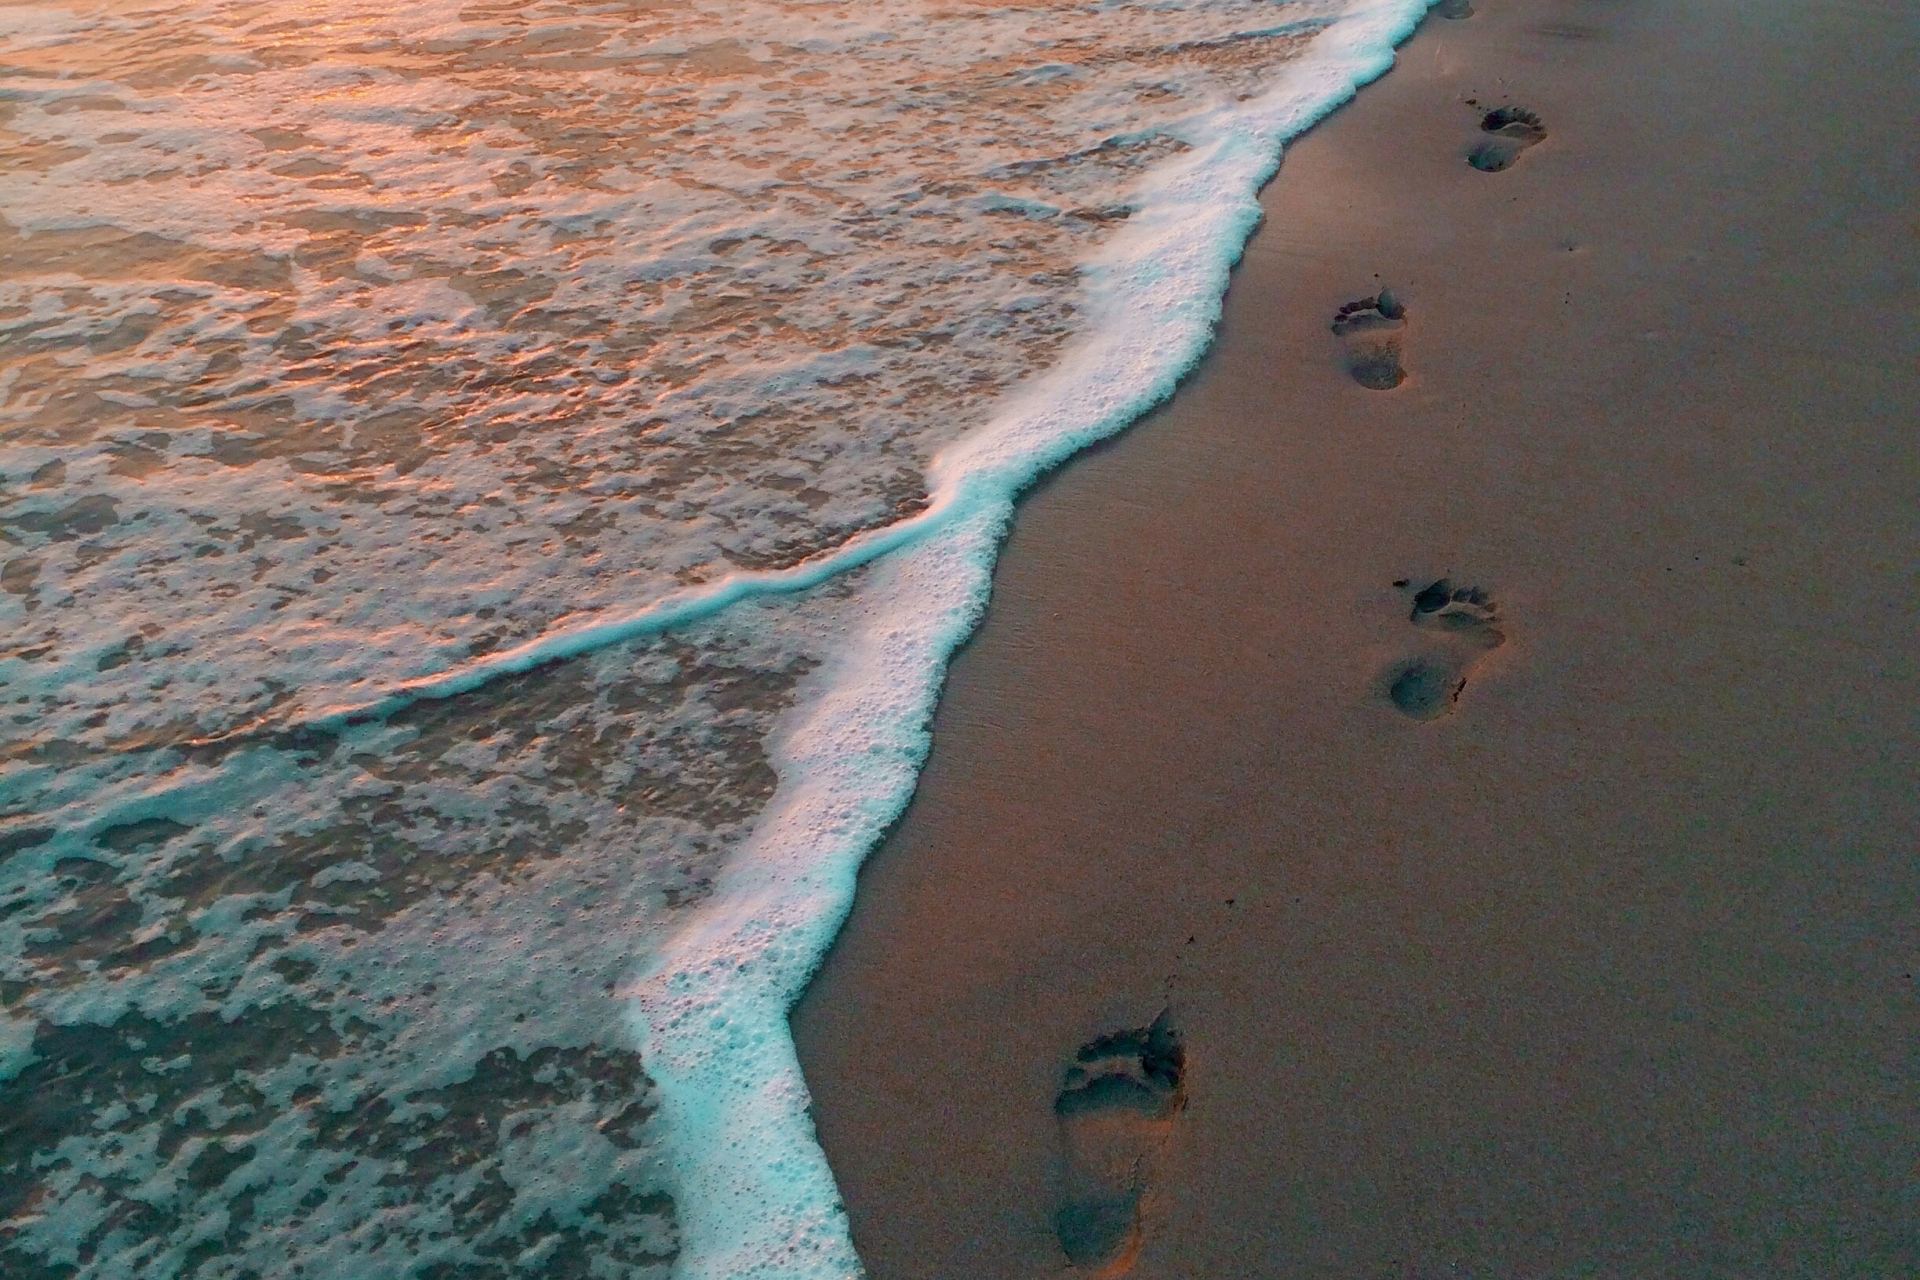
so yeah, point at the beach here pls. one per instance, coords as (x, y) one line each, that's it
(1557, 922)
(501, 510)
(488, 494)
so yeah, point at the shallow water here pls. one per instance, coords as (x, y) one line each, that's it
(343, 344)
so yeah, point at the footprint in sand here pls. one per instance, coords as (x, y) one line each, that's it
(1466, 625)
(1455, 8)
(1513, 130)
(1116, 1110)
(1371, 328)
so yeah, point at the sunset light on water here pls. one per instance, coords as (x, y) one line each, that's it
(842, 639)
(347, 344)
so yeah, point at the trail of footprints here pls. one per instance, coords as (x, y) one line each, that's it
(1124, 1091)
(1371, 327)
(1462, 622)
(1122, 1094)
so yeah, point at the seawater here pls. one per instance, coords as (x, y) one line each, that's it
(487, 493)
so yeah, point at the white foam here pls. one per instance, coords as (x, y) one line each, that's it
(756, 1196)
(702, 327)
(438, 983)
(16, 1046)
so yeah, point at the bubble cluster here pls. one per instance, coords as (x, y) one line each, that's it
(345, 344)
(342, 349)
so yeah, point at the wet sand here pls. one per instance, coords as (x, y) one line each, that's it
(1608, 967)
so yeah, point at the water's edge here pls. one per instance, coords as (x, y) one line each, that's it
(709, 1011)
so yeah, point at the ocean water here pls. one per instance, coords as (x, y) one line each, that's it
(487, 493)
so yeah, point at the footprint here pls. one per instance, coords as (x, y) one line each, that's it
(1455, 8)
(1371, 327)
(1465, 624)
(1116, 1109)
(1514, 129)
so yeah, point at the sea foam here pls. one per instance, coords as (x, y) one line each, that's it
(756, 1196)
(381, 890)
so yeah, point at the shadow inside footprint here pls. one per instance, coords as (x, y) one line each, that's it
(1513, 130)
(1371, 328)
(1455, 8)
(1467, 612)
(1115, 1108)
(1427, 688)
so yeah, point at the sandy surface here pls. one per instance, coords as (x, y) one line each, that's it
(1610, 971)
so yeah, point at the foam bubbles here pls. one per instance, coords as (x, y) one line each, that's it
(495, 491)
(710, 1012)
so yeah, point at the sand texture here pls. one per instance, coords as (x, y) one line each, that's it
(1438, 798)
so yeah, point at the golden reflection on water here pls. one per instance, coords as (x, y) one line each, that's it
(339, 341)
(475, 291)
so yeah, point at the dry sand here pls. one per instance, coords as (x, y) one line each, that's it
(1610, 971)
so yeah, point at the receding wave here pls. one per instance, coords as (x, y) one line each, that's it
(489, 493)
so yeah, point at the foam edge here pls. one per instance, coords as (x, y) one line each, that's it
(709, 1011)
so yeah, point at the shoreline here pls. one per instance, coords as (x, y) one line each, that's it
(1547, 986)
(751, 1181)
